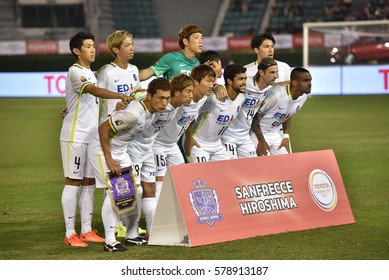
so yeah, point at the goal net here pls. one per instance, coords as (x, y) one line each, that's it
(345, 43)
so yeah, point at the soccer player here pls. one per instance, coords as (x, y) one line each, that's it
(281, 103)
(237, 139)
(213, 59)
(119, 76)
(216, 117)
(263, 46)
(190, 39)
(141, 153)
(166, 150)
(79, 125)
(108, 151)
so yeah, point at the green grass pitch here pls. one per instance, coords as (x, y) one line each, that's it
(355, 127)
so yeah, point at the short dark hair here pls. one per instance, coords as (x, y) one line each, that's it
(78, 39)
(258, 39)
(158, 84)
(209, 56)
(296, 72)
(231, 71)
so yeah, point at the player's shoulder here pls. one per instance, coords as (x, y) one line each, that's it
(282, 64)
(251, 65)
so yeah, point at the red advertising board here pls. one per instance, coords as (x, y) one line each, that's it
(315, 40)
(170, 45)
(236, 199)
(42, 47)
(239, 43)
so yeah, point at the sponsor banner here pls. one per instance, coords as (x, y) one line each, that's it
(148, 45)
(63, 47)
(102, 46)
(42, 47)
(40, 84)
(315, 40)
(239, 43)
(345, 79)
(12, 47)
(283, 41)
(235, 199)
(215, 43)
(170, 45)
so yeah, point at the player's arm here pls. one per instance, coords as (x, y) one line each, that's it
(145, 74)
(283, 83)
(105, 130)
(189, 141)
(285, 128)
(262, 147)
(104, 93)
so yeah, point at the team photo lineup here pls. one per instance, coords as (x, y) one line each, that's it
(112, 126)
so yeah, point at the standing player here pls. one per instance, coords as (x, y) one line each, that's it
(79, 125)
(190, 39)
(141, 152)
(281, 103)
(263, 46)
(237, 139)
(217, 116)
(119, 76)
(166, 150)
(107, 151)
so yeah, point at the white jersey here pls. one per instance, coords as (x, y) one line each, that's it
(143, 142)
(116, 79)
(278, 107)
(239, 130)
(126, 124)
(81, 121)
(176, 127)
(283, 70)
(217, 116)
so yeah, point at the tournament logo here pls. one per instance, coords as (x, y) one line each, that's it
(322, 190)
(205, 203)
(121, 186)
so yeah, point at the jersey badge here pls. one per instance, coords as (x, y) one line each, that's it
(118, 122)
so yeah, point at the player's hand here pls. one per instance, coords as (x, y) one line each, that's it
(127, 99)
(63, 112)
(188, 144)
(285, 143)
(220, 92)
(121, 106)
(114, 166)
(262, 148)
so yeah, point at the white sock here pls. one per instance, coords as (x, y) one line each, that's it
(158, 188)
(130, 221)
(139, 205)
(69, 206)
(149, 205)
(109, 217)
(86, 207)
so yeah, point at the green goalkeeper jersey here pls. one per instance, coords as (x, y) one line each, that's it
(174, 63)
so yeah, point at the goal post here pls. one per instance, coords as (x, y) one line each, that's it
(345, 42)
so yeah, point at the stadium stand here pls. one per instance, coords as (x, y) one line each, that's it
(137, 16)
(243, 17)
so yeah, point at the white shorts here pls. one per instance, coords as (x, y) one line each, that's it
(100, 168)
(208, 152)
(144, 166)
(274, 140)
(243, 149)
(75, 160)
(165, 156)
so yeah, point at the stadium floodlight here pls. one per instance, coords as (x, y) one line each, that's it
(345, 42)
